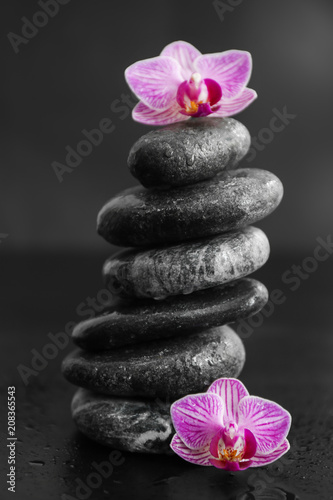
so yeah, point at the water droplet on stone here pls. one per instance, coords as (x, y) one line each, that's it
(168, 152)
(190, 160)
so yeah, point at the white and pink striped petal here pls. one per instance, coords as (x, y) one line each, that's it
(143, 114)
(268, 421)
(261, 459)
(155, 81)
(185, 54)
(230, 69)
(199, 457)
(231, 391)
(233, 106)
(197, 418)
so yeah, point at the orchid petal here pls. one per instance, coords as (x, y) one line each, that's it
(182, 94)
(250, 444)
(143, 114)
(199, 457)
(236, 105)
(245, 464)
(219, 464)
(231, 391)
(185, 54)
(214, 444)
(155, 81)
(268, 421)
(214, 91)
(230, 466)
(197, 418)
(231, 69)
(261, 459)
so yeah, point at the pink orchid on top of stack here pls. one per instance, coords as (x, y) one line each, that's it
(184, 277)
(182, 83)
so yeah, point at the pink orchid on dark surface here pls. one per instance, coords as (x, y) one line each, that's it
(182, 83)
(229, 429)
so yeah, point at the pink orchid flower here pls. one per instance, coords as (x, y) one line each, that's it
(182, 83)
(229, 429)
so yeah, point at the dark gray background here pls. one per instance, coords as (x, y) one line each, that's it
(66, 77)
(63, 81)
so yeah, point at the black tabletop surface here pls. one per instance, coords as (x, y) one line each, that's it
(289, 360)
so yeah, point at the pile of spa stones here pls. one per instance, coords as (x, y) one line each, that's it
(183, 279)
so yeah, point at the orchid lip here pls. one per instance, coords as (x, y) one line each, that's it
(231, 447)
(197, 110)
(197, 96)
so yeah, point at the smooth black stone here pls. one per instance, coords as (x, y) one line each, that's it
(146, 319)
(168, 369)
(142, 217)
(188, 152)
(188, 267)
(124, 424)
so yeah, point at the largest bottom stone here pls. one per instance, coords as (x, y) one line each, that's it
(168, 369)
(124, 424)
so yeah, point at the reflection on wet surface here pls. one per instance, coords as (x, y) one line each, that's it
(288, 361)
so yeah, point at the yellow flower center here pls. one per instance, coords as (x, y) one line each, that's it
(230, 455)
(192, 107)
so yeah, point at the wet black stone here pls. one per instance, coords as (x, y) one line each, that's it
(129, 322)
(146, 217)
(124, 424)
(188, 152)
(188, 267)
(168, 369)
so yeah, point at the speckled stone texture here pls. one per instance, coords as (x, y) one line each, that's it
(188, 267)
(168, 369)
(124, 424)
(142, 217)
(188, 152)
(129, 322)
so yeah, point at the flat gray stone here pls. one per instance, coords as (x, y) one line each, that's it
(129, 322)
(168, 369)
(124, 424)
(188, 152)
(142, 217)
(188, 267)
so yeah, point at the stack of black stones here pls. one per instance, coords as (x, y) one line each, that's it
(165, 335)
